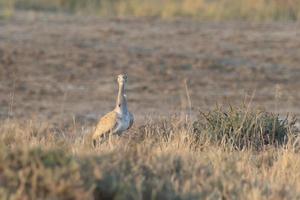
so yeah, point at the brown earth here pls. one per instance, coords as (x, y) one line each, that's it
(63, 68)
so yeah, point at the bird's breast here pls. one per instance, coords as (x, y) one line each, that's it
(123, 123)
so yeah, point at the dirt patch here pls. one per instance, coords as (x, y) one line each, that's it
(60, 68)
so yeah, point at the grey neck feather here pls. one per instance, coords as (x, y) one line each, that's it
(121, 104)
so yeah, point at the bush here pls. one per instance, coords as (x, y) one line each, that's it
(241, 127)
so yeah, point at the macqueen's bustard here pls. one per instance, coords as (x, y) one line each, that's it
(118, 120)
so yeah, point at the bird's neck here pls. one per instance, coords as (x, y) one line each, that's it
(121, 104)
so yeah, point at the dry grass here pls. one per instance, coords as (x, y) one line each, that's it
(159, 160)
(258, 10)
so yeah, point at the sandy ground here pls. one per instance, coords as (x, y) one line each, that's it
(63, 68)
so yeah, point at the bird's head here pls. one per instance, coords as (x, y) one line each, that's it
(122, 78)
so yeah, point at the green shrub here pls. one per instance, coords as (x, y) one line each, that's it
(242, 127)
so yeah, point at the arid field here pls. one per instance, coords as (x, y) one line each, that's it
(215, 107)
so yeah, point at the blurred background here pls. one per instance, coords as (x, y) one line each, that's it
(258, 10)
(59, 58)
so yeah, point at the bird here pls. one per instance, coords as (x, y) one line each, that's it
(119, 119)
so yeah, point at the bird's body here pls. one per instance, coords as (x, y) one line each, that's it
(124, 122)
(118, 120)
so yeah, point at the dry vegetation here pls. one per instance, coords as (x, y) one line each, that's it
(259, 10)
(57, 73)
(162, 159)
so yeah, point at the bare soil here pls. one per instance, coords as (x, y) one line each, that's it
(61, 68)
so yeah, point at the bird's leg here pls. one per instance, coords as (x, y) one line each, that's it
(94, 143)
(109, 139)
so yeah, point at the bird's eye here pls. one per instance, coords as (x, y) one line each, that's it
(119, 105)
